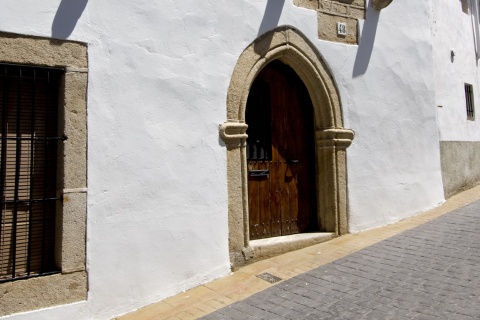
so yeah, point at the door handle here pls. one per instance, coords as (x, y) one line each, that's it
(293, 161)
(259, 173)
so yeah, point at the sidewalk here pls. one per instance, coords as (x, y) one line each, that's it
(430, 272)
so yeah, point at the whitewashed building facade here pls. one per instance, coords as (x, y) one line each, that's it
(127, 176)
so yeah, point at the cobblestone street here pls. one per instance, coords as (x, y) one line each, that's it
(428, 272)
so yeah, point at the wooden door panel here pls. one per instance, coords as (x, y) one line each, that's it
(279, 129)
(292, 141)
(275, 199)
(259, 201)
(293, 199)
(264, 203)
(280, 118)
(254, 202)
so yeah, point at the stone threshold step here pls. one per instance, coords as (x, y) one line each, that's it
(269, 247)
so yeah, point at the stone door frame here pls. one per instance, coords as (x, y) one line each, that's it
(331, 140)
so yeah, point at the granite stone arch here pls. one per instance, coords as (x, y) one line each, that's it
(331, 138)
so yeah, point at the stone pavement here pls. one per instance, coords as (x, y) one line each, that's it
(424, 267)
(429, 272)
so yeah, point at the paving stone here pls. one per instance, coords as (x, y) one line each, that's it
(217, 316)
(317, 316)
(231, 313)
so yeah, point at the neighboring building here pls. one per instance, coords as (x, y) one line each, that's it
(456, 53)
(127, 174)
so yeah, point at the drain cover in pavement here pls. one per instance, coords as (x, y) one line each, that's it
(268, 277)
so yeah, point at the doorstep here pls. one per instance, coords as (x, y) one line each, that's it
(269, 247)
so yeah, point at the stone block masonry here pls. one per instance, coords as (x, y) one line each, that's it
(331, 12)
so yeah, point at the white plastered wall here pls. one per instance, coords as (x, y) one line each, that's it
(452, 30)
(158, 79)
(394, 162)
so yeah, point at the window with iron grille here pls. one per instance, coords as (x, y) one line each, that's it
(39, 234)
(469, 101)
(29, 143)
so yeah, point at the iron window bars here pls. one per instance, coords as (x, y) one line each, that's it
(258, 116)
(469, 101)
(28, 166)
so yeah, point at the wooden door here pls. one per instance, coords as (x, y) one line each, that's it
(280, 154)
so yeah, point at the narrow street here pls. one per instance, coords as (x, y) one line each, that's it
(424, 267)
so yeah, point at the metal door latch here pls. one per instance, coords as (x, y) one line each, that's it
(259, 173)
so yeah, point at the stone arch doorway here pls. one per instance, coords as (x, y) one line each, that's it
(292, 48)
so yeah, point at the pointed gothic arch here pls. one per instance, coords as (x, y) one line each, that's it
(331, 139)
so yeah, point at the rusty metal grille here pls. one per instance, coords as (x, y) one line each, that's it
(268, 277)
(469, 101)
(29, 143)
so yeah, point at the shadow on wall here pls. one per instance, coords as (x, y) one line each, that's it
(365, 48)
(272, 15)
(66, 18)
(464, 6)
(270, 19)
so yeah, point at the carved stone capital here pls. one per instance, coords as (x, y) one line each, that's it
(336, 137)
(380, 4)
(233, 133)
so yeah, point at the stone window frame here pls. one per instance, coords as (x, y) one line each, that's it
(290, 46)
(70, 285)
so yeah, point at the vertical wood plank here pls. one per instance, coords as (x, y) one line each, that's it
(264, 202)
(253, 203)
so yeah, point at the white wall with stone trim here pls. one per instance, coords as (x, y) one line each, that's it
(158, 79)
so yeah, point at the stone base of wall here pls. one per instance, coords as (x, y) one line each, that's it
(331, 12)
(460, 162)
(42, 292)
